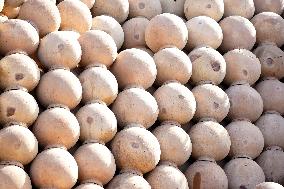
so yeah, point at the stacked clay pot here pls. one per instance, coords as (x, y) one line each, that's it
(98, 124)
(135, 149)
(19, 109)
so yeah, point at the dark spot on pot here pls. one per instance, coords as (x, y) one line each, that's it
(243, 187)
(216, 105)
(19, 76)
(197, 181)
(60, 47)
(141, 5)
(245, 72)
(90, 120)
(194, 57)
(135, 145)
(136, 36)
(10, 111)
(208, 6)
(180, 97)
(215, 66)
(269, 61)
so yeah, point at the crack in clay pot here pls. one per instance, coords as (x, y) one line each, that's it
(269, 61)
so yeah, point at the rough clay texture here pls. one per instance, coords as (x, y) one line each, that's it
(111, 27)
(245, 102)
(60, 48)
(75, 15)
(95, 162)
(89, 186)
(207, 65)
(134, 67)
(18, 106)
(147, 50)
(269, 185)
(14, 177)
(176, 103)
(57, 126)
(118, 9)
(244, 8)
(167, 177)
(134, 32)
(98, 83)
(210, 8)
(159, 32)
(135, 105)
(10, 12)
(242, 65)
(46, 18)
(89, 3)
(67, 91)
(98, 47)
(269, 88)
(175, 7)
(18, 69)
(211, 102)
(238, 32)
(269, 27)
(246, 139)
(128, 180)
(203, 31)
(3, 18)
(271, 124)
(136, 148)
(206, 175)
(243, 173)
(97, 122)
(54, 167)
(19, 35)
(271, 161)
(276, 6)
(172, 64)
(14, 3)
(209, 139)
(144, 8)
(272, 60)
(17, 143)
(174, 142)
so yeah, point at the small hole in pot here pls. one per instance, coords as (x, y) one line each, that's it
(269, 61)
